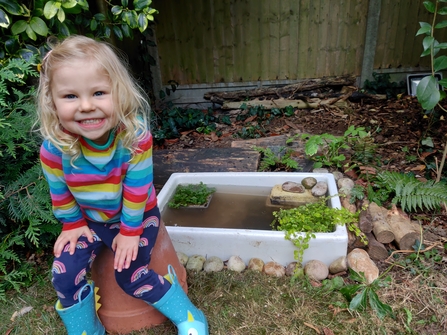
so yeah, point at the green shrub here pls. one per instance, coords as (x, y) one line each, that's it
(26, 220)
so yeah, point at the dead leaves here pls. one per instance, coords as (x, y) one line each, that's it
(324, 330)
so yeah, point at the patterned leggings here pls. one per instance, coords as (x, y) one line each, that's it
(69, 271)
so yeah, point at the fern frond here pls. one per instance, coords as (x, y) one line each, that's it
(413, 194)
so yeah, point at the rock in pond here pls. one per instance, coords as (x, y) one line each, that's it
(291, 186)
(309, 182)
(320, 189)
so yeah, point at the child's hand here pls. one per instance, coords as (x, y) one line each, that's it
(126, 251)
(71, 237)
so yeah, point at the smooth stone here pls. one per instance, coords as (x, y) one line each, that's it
(290, 186)
(274, 269)
(337, 175)
(183, 259)
(345, 186)
(320, 189)
(235, 263)
(316, 270)
(256, 264)
(339, 265)
(359, 261)
(195, 263)
(309, 182)
(213, 264)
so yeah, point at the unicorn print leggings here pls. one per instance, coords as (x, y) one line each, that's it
(69, 271)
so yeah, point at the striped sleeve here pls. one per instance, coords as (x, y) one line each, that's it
(65, 207)
(138, 190)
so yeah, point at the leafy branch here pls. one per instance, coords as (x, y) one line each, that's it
(428, 93)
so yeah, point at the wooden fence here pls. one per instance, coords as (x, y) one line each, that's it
(220, 43)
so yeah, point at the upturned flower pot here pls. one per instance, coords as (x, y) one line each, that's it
(121, 313)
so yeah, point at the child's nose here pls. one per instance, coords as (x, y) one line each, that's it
(87, 105)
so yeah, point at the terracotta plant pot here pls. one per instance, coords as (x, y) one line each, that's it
(120, 312)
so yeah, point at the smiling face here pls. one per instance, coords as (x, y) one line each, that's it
(82, 96)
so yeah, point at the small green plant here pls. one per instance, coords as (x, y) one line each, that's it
(281, 161)
(382, 85)
(410, 192)
(191, 194)
(362, 294)
(172, 121)
(301, 223)
(327, 149)
(428, 91)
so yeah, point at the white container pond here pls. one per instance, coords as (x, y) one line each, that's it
(267, 245)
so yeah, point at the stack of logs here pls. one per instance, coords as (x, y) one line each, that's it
(381, 227)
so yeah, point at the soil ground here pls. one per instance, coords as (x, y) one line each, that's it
(406, 138)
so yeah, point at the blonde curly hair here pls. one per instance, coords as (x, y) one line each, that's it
(130, 102)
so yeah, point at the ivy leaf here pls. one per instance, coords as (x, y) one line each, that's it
(51, 8)
(19, 27)
(141, 4)
(443, 82)
(4, 19)
(441, 24)
(116, 10)
(99, 17)
(424, 29)
(69, 3)
(12, 45)
(428, 142)
(117, 31)
(127, 32)
(93, 25)
(430, 6)
(39, 26)
(427, 92)
(442, 11)
(379, 307)
(30, 32)
(142, 22)
(440, 63)
(428, 42)
(61, 15)
(12, 7)
(63, 28)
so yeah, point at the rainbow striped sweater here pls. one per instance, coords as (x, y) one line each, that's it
(105, 185)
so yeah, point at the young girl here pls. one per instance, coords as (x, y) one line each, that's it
(97, 159)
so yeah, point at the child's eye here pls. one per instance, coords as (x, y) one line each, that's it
(70, 96)
(99, 93)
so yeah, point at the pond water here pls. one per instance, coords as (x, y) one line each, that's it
(247, 208)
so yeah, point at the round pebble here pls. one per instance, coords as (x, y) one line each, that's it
(213, 264)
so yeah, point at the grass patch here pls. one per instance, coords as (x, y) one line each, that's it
(252, 303)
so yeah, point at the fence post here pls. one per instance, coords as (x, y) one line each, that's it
(369, 50)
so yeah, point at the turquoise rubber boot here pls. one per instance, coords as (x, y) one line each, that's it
(81, 318)
(177, 307)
